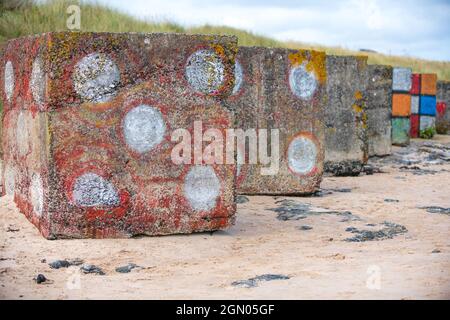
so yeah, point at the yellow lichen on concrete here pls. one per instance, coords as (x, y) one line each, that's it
(314, 61)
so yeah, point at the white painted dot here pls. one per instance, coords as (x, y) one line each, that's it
(302, 155)
(10, 180)
(96, 78)
(238, 77)
(38, 81)
(22, 133)
(37, 194)
(9, 80)
(205, 71)
(303, 84)
(201, 188)
(143, 128)
(91, 190)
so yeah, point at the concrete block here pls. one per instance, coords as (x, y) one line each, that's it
(400, 131)
(443, 95)
(442, 124)
(87, 132)
(428, 84)
(401, 104)
(402, 80)
(285, 90)
(379, 109)
(414, 126)
(428, 105)
(346, 140)
(427, 122)
(415, 103)
(415, 84)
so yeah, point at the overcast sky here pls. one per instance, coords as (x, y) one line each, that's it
(419, 28)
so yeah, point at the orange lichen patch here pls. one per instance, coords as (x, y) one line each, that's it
(401, 105)
(358, 95)
(314, 62)
(357, 108)
(428, 84)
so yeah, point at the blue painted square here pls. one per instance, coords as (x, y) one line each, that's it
(428, 105)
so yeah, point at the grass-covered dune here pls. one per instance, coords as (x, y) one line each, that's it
(23, 17)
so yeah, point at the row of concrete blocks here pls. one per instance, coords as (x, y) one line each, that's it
(413, 104)
(88, 118)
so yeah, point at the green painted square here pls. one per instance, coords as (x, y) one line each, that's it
(400, 131)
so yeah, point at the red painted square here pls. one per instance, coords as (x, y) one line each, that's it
(415, 126)
(415, 87)
(440, 108)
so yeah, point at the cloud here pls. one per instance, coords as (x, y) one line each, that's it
(413, 27)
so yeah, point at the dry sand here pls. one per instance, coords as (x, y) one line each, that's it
(204, 266)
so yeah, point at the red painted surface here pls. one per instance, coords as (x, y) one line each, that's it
(441, 107)
(415, 126)
(415, 87)
(67, 137)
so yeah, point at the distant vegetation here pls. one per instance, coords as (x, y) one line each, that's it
(24, 17)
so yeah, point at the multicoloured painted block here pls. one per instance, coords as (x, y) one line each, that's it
(403, 83)
(378, 109)
(87, 132)
(400, 131)
(346, 140)
(402, 80)
(285, 90)
(401, 104)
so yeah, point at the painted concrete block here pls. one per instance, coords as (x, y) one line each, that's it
(401, 104)
(379, 109)
(87, 132)
(346, 140)
(400, 131)
(427, 122)
(428, 105)
(415, 103)
(442, 125)
(415, 84)
(401, 80)
(428, 84)
(415, 126)
(285, 90)
(443, 95)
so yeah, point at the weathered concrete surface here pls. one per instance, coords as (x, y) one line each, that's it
(400, 131)
(282, 89)
(443, 118)
(379, 109)
(346, 143)
(87, 124)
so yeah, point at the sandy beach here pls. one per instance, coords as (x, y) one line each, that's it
(364, 237)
